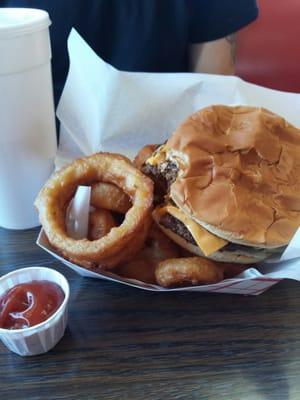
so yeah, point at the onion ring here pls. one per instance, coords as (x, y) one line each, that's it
(110, 197)
(57, 192)
(191, 271)
(144, 154)
(100, 223)
(158, 247)
(129, 251)
(126, 254)
(140, 269)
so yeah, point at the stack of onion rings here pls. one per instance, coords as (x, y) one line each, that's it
(122, 242)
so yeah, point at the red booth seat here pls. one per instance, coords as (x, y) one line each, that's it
(268, 50)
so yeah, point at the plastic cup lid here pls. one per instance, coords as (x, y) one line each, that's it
(21, 21)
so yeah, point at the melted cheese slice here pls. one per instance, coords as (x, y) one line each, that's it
(158, 157)
(208, 242)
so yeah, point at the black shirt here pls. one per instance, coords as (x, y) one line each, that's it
(139, 35)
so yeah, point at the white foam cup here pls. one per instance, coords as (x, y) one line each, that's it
(37, 339)
(27, 119)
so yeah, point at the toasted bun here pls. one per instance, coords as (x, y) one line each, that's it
(239, 174)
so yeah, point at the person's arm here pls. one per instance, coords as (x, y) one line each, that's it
(215, 57)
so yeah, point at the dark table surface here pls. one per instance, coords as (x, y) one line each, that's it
(125, 343)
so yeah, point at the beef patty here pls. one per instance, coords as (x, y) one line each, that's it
(176, 226)
(163, 175)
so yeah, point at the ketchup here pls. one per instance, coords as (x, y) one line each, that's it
(28, 304)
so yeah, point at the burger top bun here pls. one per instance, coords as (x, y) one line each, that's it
(239, 174)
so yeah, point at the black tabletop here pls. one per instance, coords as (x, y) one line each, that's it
(125, 343)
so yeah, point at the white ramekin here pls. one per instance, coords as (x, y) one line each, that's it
(40, 338)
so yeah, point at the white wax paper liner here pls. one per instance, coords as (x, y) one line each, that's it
(103, 109)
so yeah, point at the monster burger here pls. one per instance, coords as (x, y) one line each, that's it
(229, 183)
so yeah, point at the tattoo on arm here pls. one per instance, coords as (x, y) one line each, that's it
(231, 39)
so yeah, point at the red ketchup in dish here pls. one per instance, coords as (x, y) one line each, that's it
(29, 304)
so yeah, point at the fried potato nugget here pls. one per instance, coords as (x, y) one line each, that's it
(100, 223)
(110, 197)
(187, 271)
(158, 247)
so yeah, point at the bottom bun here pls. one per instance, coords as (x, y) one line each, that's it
(222, 255)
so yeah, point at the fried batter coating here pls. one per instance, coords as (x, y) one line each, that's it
(158, 247)
(110, 197)
(187, 271)
(122, 241)
(144, 154)
(100, 223)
